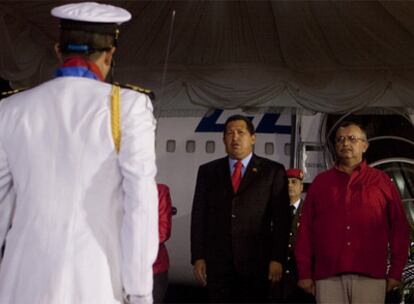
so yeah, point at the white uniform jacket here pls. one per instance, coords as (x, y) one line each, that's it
(79, 220)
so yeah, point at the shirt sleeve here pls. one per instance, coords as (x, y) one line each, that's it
(7, 196)
(164, 213)
(139, 234)
(304, 237)
(399, 232)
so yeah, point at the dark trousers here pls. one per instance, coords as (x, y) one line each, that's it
(232, 287)
(287, 291)
(160, 286)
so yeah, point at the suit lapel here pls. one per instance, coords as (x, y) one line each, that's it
(299, 207)
(252, 170)
(296, 218)
(223, 173)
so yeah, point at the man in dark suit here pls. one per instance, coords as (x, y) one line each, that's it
(287, 290)
(240, 220)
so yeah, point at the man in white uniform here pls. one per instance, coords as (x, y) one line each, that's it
(77, 217)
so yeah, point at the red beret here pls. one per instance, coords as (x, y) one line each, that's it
(295, 173)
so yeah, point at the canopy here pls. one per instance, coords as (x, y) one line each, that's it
(325, 56)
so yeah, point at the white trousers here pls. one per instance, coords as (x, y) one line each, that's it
(350, 289)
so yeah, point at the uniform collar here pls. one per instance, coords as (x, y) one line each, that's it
(360, 167)
(78, 66)
(296, 204)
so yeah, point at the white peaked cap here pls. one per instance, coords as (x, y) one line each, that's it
(91, 12)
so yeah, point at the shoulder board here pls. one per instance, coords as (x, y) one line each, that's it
(136, 88)
(10, 93)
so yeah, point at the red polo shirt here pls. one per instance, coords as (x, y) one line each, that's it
(348, 223)
(162, 262)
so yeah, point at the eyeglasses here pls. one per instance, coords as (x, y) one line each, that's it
(352, 139)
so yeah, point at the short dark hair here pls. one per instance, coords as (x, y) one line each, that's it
(249, 124)
(348, 123)
(95, 41)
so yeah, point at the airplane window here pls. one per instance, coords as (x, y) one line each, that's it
(210, 146)
(170, 146)
(269, 148)
(190, 146)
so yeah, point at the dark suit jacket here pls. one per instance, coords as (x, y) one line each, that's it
(290, 267)
(246, 229)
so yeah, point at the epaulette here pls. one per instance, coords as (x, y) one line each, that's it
(10, 93)
(136, 88)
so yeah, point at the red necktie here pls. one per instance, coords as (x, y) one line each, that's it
(237, 176)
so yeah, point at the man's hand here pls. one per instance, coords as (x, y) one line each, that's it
(200, 273)
(275, 271)
(392, 284)
(307, 285)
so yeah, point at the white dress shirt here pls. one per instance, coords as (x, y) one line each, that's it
(245, 161)
(296, 205)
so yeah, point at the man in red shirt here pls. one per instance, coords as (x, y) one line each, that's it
(162, 263)
(351, 220)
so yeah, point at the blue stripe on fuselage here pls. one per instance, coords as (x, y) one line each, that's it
(266, 125)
